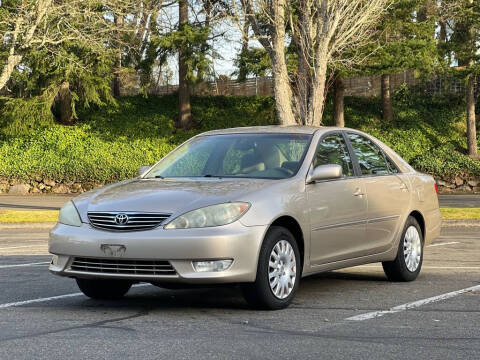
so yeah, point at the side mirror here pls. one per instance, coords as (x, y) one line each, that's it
(142, 170)
(325, 172)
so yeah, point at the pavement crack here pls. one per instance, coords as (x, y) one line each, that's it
(97, 324)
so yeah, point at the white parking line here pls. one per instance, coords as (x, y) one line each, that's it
(32, 301)
(23, 265)
(443, 244)
(39, 300)
(411, 305)
(15, 247)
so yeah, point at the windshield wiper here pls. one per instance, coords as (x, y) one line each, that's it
(159, 177)
(210, 175)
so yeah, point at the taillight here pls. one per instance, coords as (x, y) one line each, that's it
(436, 187)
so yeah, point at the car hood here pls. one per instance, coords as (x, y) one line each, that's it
(170, 196)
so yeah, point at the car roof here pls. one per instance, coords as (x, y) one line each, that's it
(282, 129)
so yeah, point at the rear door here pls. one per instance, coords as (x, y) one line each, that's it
(338, 208)
(388, 193)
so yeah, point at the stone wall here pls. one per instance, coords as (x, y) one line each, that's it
(42, 186)
(457, 184)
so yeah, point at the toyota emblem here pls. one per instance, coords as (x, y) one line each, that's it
(121, 219)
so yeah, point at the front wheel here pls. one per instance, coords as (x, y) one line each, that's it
(104, 289)
(408, 263)
(278, 271)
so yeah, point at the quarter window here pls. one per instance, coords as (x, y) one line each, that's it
(333, 150)
(391, 166)
(370, 156)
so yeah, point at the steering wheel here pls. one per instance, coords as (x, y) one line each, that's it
(284, 170)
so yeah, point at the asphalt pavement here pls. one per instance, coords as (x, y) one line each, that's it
(352, 313)
(55, 202)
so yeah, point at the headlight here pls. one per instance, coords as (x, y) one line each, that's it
(69, 215)
(215, 215)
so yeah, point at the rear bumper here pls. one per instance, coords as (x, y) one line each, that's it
(179, 247)
(433, 225)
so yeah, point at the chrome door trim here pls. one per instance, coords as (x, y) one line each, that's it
(383, 218)
(366, 221)
(332, 226)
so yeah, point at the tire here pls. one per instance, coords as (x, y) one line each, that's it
(400, 269)
(104, 289)
(260, 293)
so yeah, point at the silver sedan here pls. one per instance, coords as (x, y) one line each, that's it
(261, 207)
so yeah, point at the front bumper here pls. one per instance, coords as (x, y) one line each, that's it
(179, 247)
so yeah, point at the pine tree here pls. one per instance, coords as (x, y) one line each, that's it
(406, 41)
(464, 45)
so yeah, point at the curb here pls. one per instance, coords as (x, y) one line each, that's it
(28, 225)
(464, 223)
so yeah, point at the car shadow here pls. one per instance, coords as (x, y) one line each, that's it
(228, 297)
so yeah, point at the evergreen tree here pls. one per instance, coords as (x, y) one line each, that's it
(405, 41)
(464, 45)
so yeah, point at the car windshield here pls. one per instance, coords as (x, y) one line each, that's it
(263, 156)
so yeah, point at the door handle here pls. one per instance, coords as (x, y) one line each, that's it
(358, 192)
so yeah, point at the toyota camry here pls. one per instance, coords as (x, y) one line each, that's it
(261, 207)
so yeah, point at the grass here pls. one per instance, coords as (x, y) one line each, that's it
(24, 216)
(460, 213)
(38, 216)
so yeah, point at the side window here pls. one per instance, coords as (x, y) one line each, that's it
(370, 157)
(333, 150)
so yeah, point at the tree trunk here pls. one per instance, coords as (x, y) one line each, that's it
(442, 37)
(12, 61)
(242, 71)
(281, 80)
(471, 126)
(203, 68)
(184, 115)
(283, 97)
(64, 102)
(386, 99)
(118, 61)
(317, 101)
(338, 104)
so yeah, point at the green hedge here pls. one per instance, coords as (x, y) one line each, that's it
(111, 143)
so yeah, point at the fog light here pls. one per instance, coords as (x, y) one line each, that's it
(54, 260)
(208, 266)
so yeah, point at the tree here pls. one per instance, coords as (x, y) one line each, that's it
(29, 25)
(338, 101)
(63, 45)
(241, 61)
(184, 109)
(405, 41)
(464, 43)
(318, 30)
(252, 62)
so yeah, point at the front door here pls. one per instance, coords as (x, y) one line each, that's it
(338, 208)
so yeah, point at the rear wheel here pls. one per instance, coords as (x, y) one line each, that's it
(278, 271)
(408, 263)
(104, 289)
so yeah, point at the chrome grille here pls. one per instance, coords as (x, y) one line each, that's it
(125, 267)
(135, 220)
